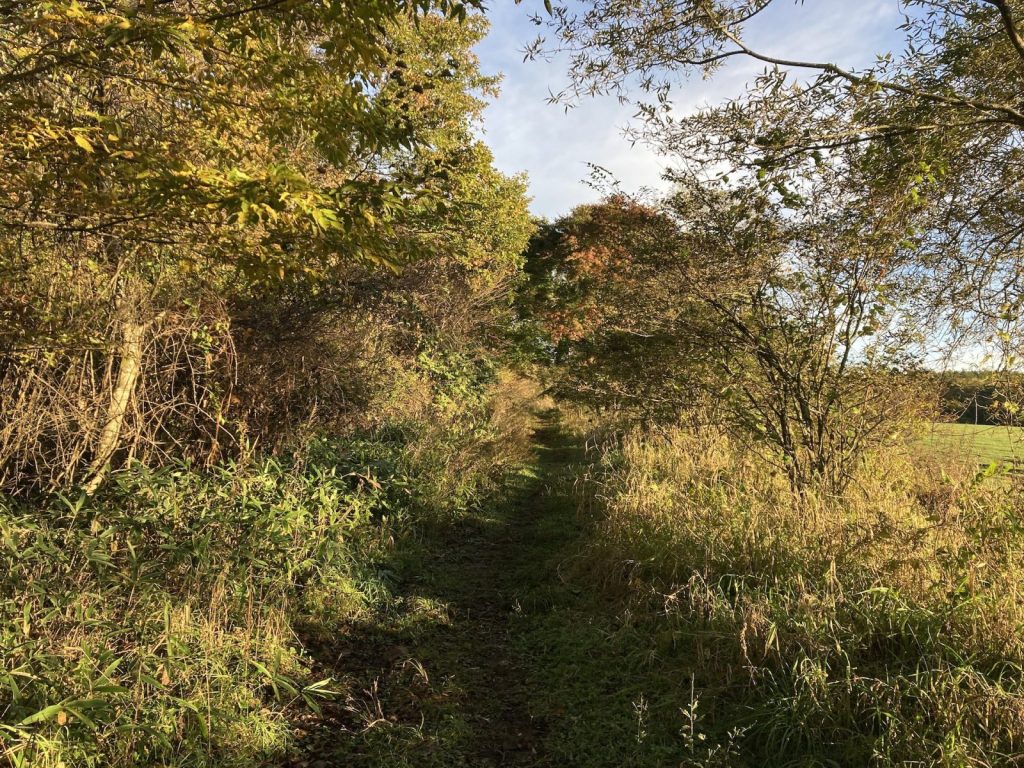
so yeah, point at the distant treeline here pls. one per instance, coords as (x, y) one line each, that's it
(980, 397)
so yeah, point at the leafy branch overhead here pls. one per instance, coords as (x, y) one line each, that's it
(268, 130)
(940, 122)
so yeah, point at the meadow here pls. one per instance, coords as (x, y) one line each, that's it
(984, 443)
(881, 627)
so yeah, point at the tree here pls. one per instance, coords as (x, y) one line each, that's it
(942, 123)
(788, 326)
(239, 136)
(320, 353)
(606, 287)
(161, 162)
(807, 323)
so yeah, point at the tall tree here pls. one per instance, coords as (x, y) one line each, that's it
(943, 121)
(321, 350)
(607, 287)
(161, 160)
(787, 325)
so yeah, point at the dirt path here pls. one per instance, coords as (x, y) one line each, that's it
(442, 679)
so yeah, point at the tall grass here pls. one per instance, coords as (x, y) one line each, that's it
(158, 622)
(152, 625)
(883, 627)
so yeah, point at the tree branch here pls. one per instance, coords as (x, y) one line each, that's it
(1011, 112)
(1012, 30)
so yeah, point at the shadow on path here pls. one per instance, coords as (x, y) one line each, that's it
(440, 680)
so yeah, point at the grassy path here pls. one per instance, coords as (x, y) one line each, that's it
(445, 677)
(518, 636)
(500, 651)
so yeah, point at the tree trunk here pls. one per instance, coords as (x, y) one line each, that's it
(130, 352)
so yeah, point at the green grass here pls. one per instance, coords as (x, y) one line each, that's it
(151, 624)
(500, 647)
(527, 633)
(443, 673)
(173, 618)
(657, 605)
(982, 443)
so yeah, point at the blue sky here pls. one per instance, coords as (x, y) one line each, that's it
(553, 147)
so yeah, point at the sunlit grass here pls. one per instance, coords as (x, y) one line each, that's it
(848, 631)
(978, 442)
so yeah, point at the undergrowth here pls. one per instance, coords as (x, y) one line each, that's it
(883, 627)
(157, 622)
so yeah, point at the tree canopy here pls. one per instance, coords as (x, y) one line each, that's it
(180, 179)
(940, 122)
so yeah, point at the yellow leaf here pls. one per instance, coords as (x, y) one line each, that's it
(84, 143)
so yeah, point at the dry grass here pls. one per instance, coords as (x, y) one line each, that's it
(882, 627)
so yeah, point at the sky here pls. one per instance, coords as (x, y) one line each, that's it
(553, 147)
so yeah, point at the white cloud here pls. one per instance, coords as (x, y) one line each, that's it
(553, 146)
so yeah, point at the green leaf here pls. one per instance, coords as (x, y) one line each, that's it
(44, 714)
(84, 143)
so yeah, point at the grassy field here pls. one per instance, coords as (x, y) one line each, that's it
(986, 444)
(662, 598)
(880, 628)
